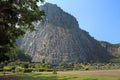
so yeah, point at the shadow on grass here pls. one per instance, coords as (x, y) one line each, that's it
(9, 78)
(40, 77)
(89, 79)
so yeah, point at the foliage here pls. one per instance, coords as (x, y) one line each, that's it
(41, 69)
(49, 70)
(16, 16)
(117, 45)
(78, 66)
(20, 64)
(21, 69)
(24, 64)
(1, 69)
(27, 70)
(115, 60)
(22, 56)
(4, 57)
(7, 68)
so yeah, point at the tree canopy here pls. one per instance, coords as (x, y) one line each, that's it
(21, 56)
(16, 16)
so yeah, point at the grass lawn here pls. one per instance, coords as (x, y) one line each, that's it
(69, 75)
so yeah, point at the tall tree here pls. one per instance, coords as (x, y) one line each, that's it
(16, 16)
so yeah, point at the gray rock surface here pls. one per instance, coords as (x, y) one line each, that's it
(112, 48)
(58, 38)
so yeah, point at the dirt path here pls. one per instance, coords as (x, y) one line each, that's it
(96, 72)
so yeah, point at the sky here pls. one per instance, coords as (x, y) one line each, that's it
(101, 18)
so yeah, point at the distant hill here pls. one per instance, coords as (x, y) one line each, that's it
(58, 38)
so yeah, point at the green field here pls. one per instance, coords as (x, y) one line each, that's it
(69, 75)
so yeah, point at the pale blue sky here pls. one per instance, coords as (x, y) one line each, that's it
(101, 18)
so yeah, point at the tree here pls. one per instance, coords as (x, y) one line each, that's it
(22, 56)
(16, 16)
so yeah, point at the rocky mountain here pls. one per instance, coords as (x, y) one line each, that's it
(114, 49)
(58, 38)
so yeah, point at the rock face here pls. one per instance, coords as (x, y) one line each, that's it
(58, 38)
(114, 49)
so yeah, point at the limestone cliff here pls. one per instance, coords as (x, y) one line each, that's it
(114, 49)
(58, 38)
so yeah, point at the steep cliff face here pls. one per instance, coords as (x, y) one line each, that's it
(114, 49)
(58, 38)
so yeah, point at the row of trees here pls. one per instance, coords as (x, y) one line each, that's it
(19, 66)
(16, 16)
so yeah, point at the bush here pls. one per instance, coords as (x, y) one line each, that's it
(27, 70)
(68, 69)
(21, 69)
(7, 68)
(49, 70)
(54, 72)
(86, 68)
(42, 69)
(1, 69)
